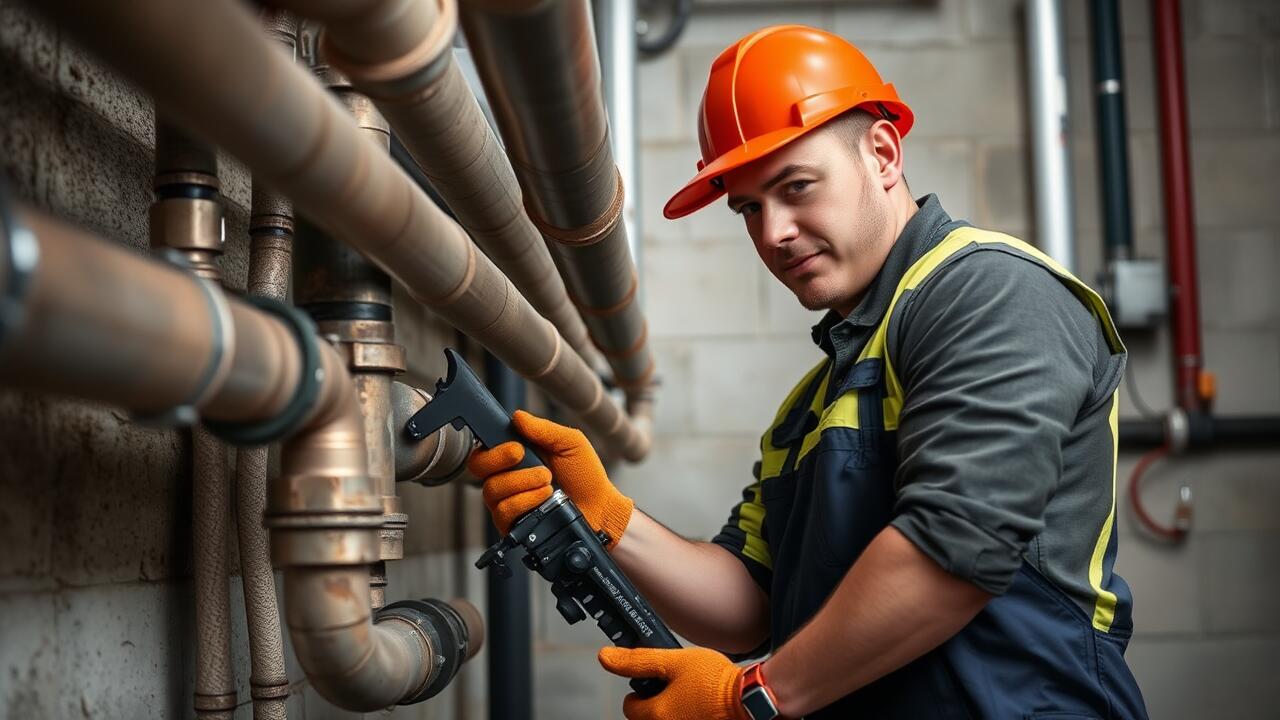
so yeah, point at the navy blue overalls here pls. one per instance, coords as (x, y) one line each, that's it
(827, 488)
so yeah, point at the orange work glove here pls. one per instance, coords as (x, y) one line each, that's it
(509, 494)
(702, 684)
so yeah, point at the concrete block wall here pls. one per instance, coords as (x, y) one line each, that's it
(96, 606)
(731, 340)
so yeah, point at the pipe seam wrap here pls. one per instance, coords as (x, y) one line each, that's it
(290, 418)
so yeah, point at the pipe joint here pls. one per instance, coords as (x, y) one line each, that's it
(452, 633)
(408, 69)
(289, 419)
(221, 352)
(269, 691)
(373, 357)
(221, 703)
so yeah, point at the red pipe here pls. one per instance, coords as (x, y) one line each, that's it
(1178, 210)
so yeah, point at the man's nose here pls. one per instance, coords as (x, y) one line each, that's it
(777, 226)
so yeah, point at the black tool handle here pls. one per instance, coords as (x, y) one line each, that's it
(462, 400)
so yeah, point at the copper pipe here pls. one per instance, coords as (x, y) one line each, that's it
(186, 218)
(436, 116)
(270, 249)
(313, 151)
(541, 72)
(108, 325)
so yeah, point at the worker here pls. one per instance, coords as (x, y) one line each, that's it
(931, 532)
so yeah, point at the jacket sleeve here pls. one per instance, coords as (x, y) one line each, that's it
(743, 536)
(996, 359)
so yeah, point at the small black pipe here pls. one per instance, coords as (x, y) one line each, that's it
(1205, 432)
(510, 627)
(1112, 130)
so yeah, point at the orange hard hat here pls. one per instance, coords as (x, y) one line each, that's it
(768, 89)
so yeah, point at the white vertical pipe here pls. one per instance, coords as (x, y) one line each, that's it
(615, 26)
(1051, 159)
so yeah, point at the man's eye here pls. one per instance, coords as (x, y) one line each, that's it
(798, 186)
(747, 209)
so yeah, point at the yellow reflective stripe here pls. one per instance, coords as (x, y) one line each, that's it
(954, 242)
(751, 522)
(773, 458)
(1104, 608)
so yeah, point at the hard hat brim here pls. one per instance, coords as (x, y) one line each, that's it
(700, 191)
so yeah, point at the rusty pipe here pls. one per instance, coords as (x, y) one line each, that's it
(186, 219)
(270, 251)
(438, 119)
(541, 73)
(96, 321)
(313, 151)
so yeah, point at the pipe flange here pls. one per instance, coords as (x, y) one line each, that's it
(221, 351)
(295, 413)
(446, 636)
(387, 357)
(21, 257)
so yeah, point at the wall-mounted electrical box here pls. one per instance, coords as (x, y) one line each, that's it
(1137, 293)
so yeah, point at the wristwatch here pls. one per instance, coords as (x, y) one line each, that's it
(757, 698)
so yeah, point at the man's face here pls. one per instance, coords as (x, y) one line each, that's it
(818, 216)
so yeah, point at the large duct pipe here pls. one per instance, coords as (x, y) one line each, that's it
(220, 81)
(1047, 81)
(186, 219)
(270, 252)
(541, 74)
(1179, 219)
(95, 321)
(440, 123)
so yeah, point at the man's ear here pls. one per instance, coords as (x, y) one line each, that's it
(884, 144)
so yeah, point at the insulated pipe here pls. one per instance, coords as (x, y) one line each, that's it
(440, 123)
(1047, 77)
(1112, 130)
(541, 74)
(270, 250)
(92, 320)
(222, 80)
(1179, 221)
(186, 219)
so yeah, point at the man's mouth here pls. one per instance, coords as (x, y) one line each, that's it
(800, 264)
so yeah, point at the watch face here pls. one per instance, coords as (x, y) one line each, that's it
(758, 704)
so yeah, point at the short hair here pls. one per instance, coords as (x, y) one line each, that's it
(851, 125)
